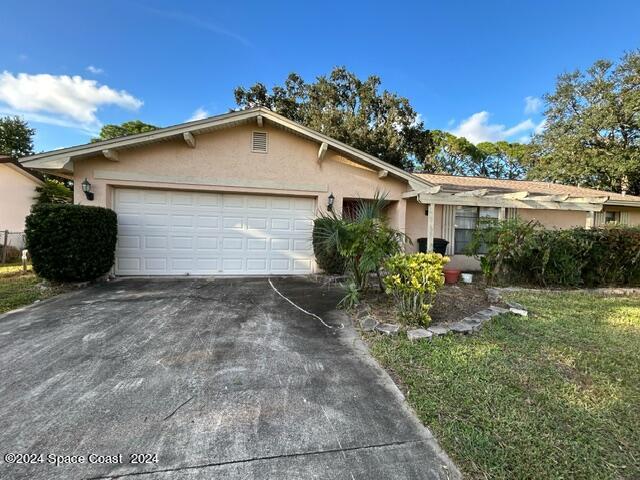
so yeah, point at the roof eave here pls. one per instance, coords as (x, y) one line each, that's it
(64, 159)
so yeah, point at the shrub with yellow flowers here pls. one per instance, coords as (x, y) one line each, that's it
(413, 281)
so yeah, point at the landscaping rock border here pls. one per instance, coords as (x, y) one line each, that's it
(469, 324)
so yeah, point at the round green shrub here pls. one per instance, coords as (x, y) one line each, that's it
(327, 256)
(71, 243)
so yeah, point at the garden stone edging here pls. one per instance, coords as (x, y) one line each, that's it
(387, 328)
(469, 324)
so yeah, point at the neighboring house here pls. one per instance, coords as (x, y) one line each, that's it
(17, 194)
(237, 193)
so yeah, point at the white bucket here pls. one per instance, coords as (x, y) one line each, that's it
(467, 277)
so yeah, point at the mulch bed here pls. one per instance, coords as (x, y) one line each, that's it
(452, 303)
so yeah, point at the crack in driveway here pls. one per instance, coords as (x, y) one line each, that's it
(258, 459)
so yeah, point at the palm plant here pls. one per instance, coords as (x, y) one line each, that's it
(365, 241)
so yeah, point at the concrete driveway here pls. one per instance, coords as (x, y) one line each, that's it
(218, 378)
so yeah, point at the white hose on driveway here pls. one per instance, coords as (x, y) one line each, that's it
(302, 309)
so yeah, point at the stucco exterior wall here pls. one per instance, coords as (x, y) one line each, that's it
(223, 161)
(555, 218)
(417, 223)
(634, 216)
(17, 192)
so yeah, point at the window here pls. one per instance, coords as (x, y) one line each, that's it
(611, 217)
(467, 221)
(259, 142)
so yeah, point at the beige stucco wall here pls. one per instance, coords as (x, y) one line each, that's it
(223, 161)
(17, 192)
(417, 223)
(555, 218)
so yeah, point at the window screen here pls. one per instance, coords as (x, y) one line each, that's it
(466, 223)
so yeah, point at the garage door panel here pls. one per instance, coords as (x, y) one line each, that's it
(155, 220)
(280, 224)
(302, 265)
(303, 225)
(128, 241)
(254, 223)
(182, 199)
(257, 244)
(207, 243)
(181, 220)
(156, 197)
(125, 264)
(208, 221)
(233, 223)
(257, 202)
(155, 264)
(174, 233)
(130, 219)
(181, 242)
(155, 242)
(232, 243)
(302, 245)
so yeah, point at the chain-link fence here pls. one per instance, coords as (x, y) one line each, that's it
(11, 245)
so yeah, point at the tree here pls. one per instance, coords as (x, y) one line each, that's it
(133, 127)
(454, 155)
(592, 134)
(350, 110)
(457, 156)
(16, 137)
(504, 159)
(53, 191)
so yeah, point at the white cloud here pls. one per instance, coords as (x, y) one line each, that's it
(477, 129)
(95, 70)
(540, 127)
(199, 114)
(63, 100)
(532, 105)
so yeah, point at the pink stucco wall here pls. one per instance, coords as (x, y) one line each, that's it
(17, 192)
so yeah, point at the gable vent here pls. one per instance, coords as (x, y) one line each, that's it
(259, 142)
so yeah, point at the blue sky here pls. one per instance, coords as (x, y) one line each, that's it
(468, 67)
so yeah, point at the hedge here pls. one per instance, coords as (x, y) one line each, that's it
(526, 253)
(71, 243)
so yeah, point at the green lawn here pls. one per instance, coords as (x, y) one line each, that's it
(556, 395)
(17, 290)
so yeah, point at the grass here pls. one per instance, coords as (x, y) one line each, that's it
(13, 269)
(18, 289)
(556, 395)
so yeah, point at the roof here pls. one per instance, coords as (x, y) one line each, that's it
(62, 160)
(453, 183)
(15, 165)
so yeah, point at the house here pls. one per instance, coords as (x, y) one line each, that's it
(237, 194)
(17, 194)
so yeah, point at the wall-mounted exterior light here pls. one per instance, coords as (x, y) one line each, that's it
(330, 202)
(86, 188)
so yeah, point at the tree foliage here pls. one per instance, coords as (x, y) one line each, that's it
(53, 191)
(349, 109)
(132, 127)
(458, 156)
(16, 137)
(592, 135)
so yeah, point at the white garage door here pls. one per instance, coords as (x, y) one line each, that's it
(163, 232)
